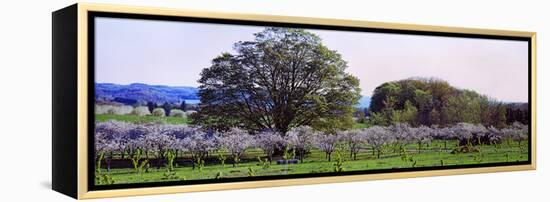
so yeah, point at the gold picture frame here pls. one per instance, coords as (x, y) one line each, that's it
(76, 181)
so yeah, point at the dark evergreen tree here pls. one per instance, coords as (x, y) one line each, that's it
(151, 106)
(183, 105)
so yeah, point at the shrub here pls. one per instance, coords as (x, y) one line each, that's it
(219, 175)
(122, 110)
(339, 164)
(251, 172)
(113, 109)
(264, 163)
(141, 111)
(200, 164)
(102, 109)
(189, 112)
(104, 179)
(159, 112)
(178, 113)
(222, 157)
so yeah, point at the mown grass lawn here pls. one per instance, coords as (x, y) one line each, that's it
(169, 120)
(315, 162)
(357, 125)
(141, 119)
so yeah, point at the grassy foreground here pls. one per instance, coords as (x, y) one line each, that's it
(315, 162)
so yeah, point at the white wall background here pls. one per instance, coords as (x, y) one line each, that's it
(25, 100)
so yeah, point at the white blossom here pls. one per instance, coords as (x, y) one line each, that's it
(269, 142)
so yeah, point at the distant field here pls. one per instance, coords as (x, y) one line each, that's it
(359, 125)
(170, 120)
(141, 119)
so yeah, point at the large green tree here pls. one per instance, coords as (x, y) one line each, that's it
(282, 79)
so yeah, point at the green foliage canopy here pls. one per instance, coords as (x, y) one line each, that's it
(283, 79)
(421, 101)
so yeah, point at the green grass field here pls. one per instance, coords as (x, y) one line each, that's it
(315, 162)
(359, 125)
(141, 119)
(169, 120)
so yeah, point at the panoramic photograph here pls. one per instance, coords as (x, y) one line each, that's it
(189, 101)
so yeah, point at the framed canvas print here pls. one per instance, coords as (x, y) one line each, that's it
(151, 100)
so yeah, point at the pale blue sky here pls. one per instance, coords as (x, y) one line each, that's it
(174, 53)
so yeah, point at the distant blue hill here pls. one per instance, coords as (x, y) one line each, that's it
(144, 93)
(139, 92)
(364, 102)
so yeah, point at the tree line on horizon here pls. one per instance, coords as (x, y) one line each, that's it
(430, 101)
